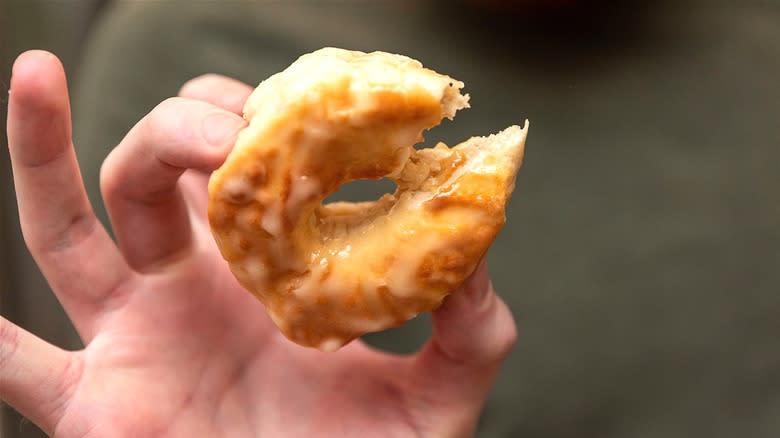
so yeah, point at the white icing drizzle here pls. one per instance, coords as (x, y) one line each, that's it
(330, 345)
(344, 252)
(303, 190)
(238, 190)
(402, 275)
(255, 268)
(272, 220)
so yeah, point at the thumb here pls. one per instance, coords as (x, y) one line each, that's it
(474, 326)
(473, 332)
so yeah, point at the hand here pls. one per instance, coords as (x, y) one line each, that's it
(174, 346)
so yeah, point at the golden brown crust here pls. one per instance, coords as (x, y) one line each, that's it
(330, 273)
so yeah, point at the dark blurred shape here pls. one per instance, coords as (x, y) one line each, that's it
(551, 35)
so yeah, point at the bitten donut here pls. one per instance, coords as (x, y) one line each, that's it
(330, 273)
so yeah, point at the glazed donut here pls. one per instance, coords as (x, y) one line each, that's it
(328, 274)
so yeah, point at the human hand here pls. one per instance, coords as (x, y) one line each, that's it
(174, 346)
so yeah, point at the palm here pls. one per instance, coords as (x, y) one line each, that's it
(174, 346)
(214, 359)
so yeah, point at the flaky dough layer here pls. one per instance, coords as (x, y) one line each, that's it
(331, 273)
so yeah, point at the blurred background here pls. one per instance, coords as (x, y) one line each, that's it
(641, 257)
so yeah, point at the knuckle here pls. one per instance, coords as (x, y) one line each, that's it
(165, 115)
(155, 151)
(75, 230)
(110, 179)
(508, 341)
(506, 338)
(169, 134)
(168, 123)
(120, 178)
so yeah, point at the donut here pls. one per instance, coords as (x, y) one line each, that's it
(329, 273)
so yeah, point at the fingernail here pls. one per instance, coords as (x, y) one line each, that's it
(220, 128)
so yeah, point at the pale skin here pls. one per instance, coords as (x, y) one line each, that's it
(174, 346)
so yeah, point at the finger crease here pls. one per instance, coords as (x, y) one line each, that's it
(153, 197)
(51, 159)
(80, 226)
(68, 380)
(9, 343)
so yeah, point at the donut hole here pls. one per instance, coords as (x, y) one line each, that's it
(362, 190)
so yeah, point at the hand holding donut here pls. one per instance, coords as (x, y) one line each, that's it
(174, 344)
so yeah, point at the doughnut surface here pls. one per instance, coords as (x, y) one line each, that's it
(330, 273)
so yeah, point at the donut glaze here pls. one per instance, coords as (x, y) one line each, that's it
(328, 274)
